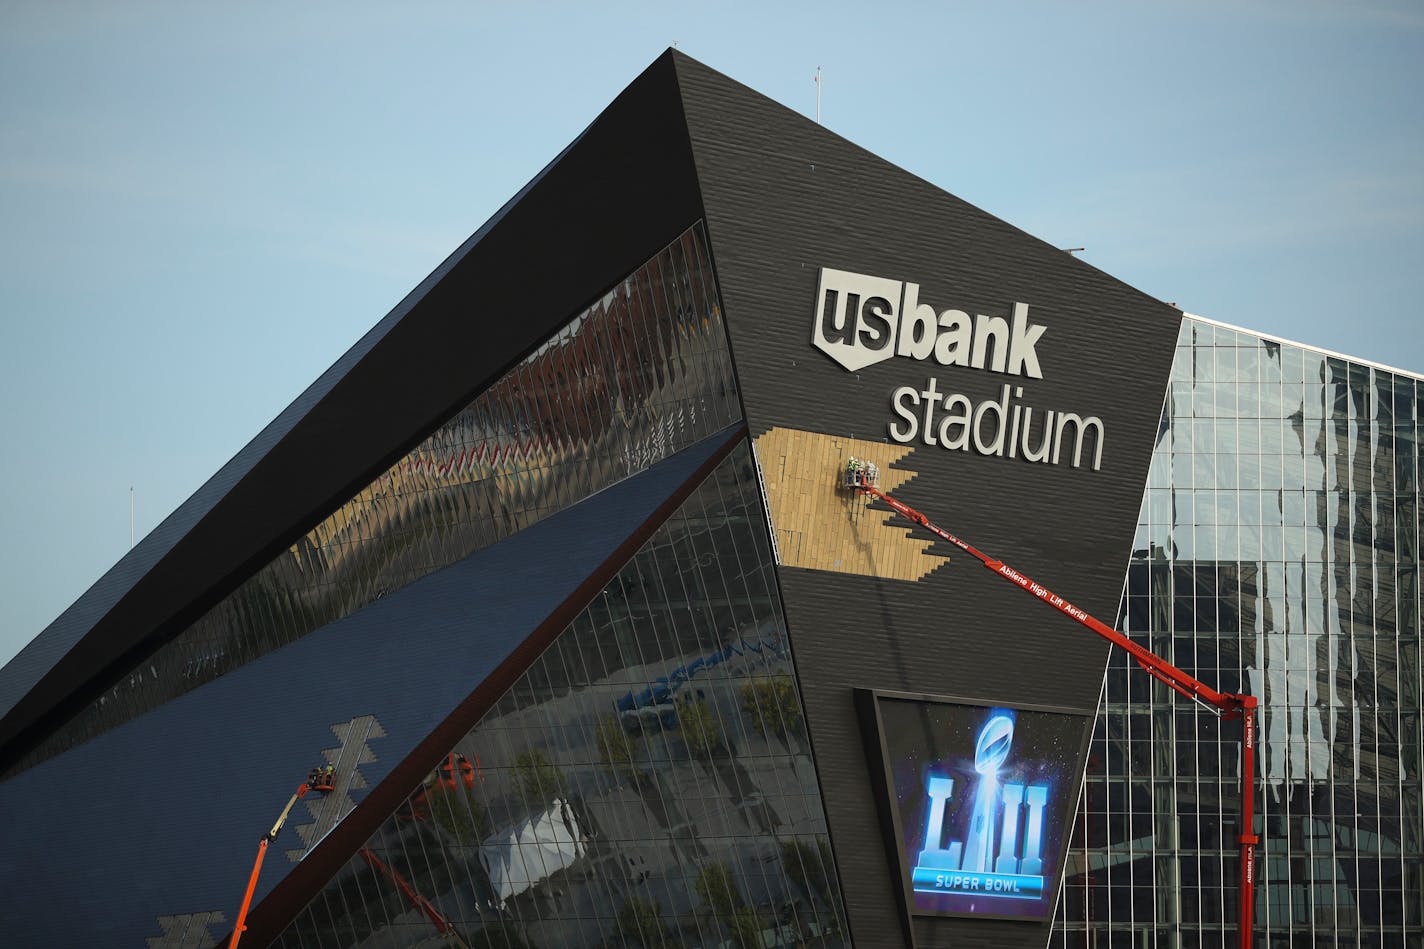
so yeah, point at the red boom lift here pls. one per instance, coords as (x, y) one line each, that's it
(862, 478)
(442, 925)
(321, 780)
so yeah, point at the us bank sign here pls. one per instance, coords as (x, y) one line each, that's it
(862, 320)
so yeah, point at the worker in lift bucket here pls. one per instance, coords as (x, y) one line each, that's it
(858, 472)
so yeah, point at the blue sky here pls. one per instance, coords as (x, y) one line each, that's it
(203, 205)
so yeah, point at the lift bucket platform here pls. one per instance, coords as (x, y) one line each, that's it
(858, 474)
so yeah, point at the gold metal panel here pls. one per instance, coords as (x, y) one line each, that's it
(820, 526)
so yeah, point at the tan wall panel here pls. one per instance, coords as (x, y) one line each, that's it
(823, 528)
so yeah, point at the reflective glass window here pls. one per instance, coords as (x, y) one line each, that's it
(648, 781)
(641, 373)
(1288, 522)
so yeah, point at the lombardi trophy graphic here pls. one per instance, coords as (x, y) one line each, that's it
(976, 866)
(989, 753)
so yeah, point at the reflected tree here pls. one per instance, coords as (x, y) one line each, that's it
(640, 923)
(617, 749)
(537, 777)
(772, 706)
(619, 753)
(699, 729)
(458, 813)
(809, 868)
(717, 889)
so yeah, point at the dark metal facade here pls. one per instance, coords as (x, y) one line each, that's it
(784, 198)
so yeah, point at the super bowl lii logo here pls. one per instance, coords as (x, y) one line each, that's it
(1002, 853)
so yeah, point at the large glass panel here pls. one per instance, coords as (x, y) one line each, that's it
(648, 782)
(640, 374)
(1306, 596)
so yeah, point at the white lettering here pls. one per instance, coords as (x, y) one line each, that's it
(1080, 425)
(856, 318)
(955, 334)
(861, 320)
(931, 395)
(1045, 443)
(917, 325)
(996, 428)
(958, 411)
(990, 329)
(998, 409)
(897, 402)
(1023, 358)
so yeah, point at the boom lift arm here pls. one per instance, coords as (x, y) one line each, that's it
(442, 925)
(319, 780)
(862, 478)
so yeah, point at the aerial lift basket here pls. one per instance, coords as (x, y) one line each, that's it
(859, 474)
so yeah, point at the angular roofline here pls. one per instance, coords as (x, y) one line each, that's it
(36, 658)
(1359, 360)
(350, 424)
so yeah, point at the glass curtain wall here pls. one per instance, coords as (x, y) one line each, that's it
(640, 374)
(648, 781)
(1277, 553)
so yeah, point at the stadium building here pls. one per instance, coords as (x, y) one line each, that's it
(557, 573)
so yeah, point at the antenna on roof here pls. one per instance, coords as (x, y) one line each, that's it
(818, 95)
(130, 517)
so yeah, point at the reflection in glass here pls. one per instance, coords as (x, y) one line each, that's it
(648, 781)
(640, 374)
(1293, 575)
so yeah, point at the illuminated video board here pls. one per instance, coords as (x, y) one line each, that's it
(980, 801)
